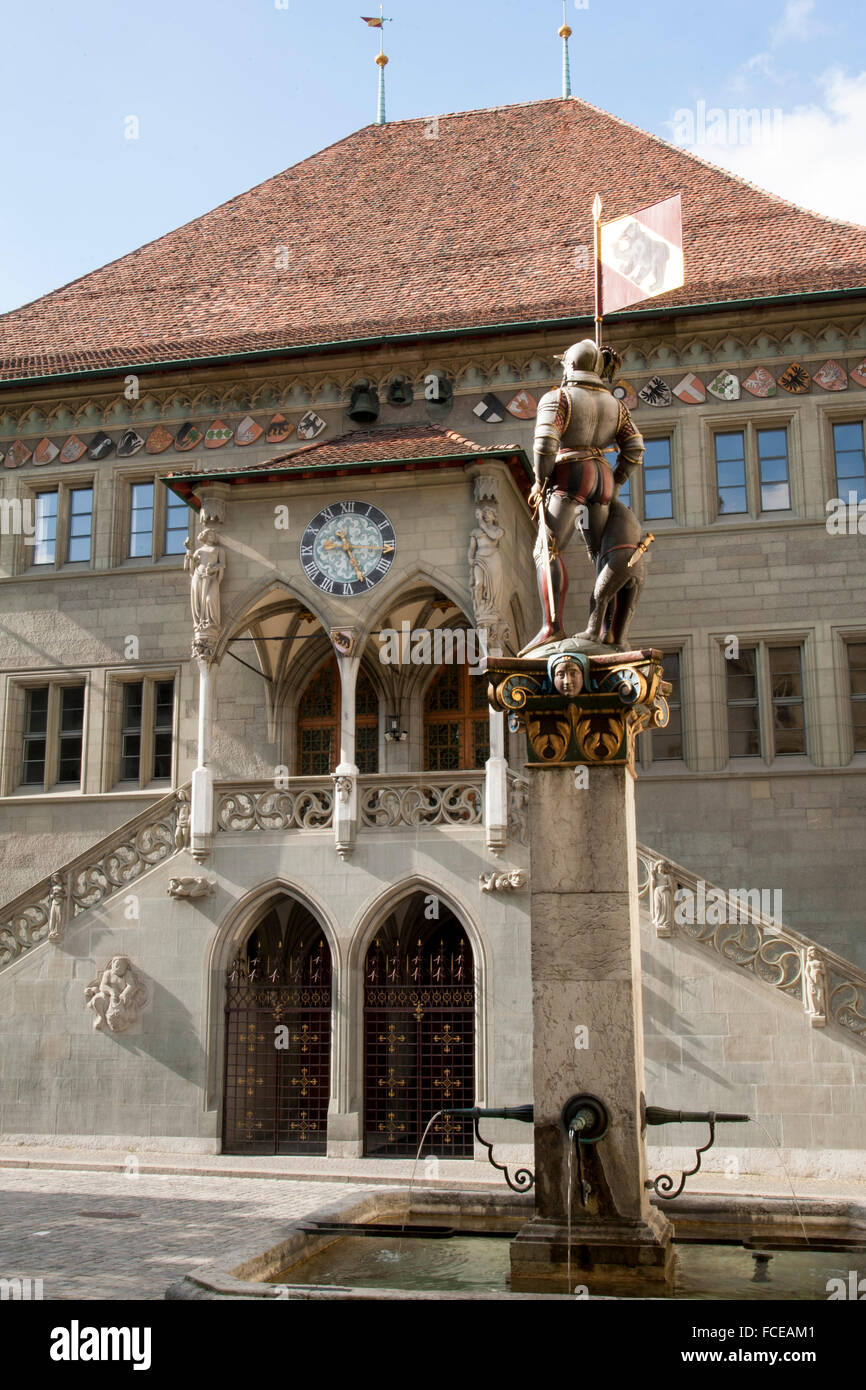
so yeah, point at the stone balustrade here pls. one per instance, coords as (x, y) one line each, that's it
(302, 803)
(421, 798)
(110, 867)
(729, 923)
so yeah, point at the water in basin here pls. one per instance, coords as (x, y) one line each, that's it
(466, 1263)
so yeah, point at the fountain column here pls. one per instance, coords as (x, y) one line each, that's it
(586, 969)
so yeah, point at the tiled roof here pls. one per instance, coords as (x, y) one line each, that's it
(390, 231)
(385, 450)
(371, 446)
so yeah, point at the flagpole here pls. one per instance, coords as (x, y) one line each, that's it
(596, 237)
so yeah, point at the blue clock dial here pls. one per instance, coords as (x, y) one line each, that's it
(348, 548)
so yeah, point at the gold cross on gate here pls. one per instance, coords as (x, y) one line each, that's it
(393, 1038)
(447, 1128)
(447, 1038)
(305, 1037)
(447, 1082)
(392, 1127)
(303, 1126)
(390, 1081)
(304, 1081)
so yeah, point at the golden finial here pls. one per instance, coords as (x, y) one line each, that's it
(381, 60)
(565, 32)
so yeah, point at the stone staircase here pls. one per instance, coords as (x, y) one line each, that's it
(748, 940)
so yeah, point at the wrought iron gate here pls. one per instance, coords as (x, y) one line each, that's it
(278, 1057)
(419, 1048)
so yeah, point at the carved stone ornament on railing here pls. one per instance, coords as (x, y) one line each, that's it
(262, 807)
(342, 786)
(578, 707)
(58, 897)
(421, 803)
(86, 881)
(828, 988)
(116, 996)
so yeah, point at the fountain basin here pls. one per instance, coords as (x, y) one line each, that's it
(721, 1244)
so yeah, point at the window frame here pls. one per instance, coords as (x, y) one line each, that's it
(117, 681)
(750, 426)
(63, 487)
(464, 718)
(849, 640)
(637, 482)
(646, 756)
(767, 753)
(126, 480)
(842, 417)
(333, 722)
(13, 783)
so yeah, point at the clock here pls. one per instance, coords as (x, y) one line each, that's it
(348, 548)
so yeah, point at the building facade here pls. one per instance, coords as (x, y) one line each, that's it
(313, 823)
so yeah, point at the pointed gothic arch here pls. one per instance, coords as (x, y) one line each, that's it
(277, 1035)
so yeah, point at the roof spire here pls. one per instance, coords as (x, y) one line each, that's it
(565, 35)
(381, 58)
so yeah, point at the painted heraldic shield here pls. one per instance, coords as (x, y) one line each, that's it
(642, 255)
(490, 409)
(310, 425)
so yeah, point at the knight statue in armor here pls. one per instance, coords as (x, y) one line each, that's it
(577, 424)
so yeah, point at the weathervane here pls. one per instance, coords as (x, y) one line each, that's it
(381, 57)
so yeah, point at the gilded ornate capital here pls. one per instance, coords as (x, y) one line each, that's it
(579, 708)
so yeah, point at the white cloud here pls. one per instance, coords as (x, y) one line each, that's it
(797, 24)
(814, 155)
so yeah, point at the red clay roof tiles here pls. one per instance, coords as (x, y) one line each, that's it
(390, 232)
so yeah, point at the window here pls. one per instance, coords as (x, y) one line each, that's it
(773, 470)
(80, 523)
(158, 521)
(64, 526)
(765, 702)
(45, 550)
(657, 494)
(752, 472)
(850, 461)
(857, 677)
(53, 735)
(319, 723)
(731, 473)
(456, 720)
(141, 520)
(667, 743)
(652, 497)
(147, 730)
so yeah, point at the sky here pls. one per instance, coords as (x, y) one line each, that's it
(127, 120)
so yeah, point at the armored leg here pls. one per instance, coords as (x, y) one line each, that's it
(560, 513)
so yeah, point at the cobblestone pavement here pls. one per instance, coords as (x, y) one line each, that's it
(106, 1235)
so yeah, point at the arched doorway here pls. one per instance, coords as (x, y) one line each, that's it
(319, 723)
(419, 1032)
(278, 1036)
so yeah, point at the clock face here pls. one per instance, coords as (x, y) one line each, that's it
(348, 548)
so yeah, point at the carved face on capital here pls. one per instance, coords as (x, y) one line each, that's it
(568, 677)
